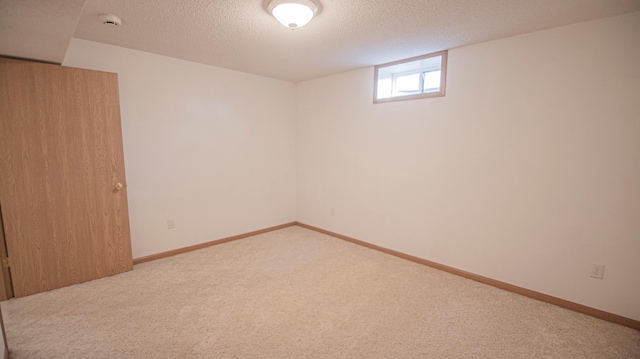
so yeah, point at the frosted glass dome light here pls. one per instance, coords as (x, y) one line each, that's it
(293, 13)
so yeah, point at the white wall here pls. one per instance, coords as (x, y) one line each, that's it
(211, 148)
(526, 172)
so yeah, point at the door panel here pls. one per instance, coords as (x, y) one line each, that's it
(60, 158)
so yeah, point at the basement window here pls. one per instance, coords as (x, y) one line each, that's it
(409, 79)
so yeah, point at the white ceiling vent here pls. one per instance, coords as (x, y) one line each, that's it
(111, 20)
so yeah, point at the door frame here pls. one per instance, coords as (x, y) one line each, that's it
(6, 286)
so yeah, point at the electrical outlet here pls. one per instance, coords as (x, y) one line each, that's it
(597, 271)
(333, 211)
(171, 223)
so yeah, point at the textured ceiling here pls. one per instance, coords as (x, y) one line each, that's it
(38, 29)
(346, 34)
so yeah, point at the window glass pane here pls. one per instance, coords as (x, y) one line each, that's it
(406, 85)
(413, 78)
(384, 88)
(431, 81)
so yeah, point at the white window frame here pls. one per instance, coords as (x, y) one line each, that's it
(422, 71)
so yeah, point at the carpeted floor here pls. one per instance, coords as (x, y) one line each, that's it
(295, 293)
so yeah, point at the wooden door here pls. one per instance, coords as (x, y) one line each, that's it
(60, 160)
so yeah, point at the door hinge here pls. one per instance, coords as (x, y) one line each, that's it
(5, 263)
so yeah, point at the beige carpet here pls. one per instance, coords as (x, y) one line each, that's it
(295, 293)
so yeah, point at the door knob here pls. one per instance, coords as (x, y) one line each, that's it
(118, 186)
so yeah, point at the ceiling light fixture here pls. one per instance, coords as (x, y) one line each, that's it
(293, 13)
